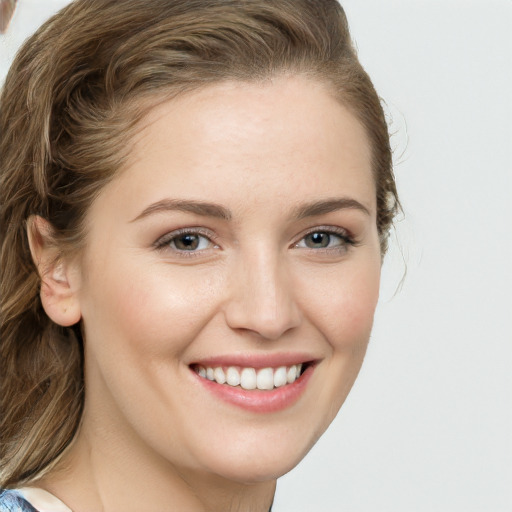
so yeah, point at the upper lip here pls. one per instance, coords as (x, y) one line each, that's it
(256, 360)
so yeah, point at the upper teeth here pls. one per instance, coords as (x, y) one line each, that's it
(250, 378)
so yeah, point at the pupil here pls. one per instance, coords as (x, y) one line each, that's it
(319, 239)
(187, 242)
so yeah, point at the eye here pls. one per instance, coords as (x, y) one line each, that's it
(189, 242)
(325, 239)
(185, 241)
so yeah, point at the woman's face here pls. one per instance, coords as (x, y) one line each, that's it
(239, 242)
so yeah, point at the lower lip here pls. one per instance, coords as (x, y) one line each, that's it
(257, 400)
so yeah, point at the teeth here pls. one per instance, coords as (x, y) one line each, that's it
(265, 379)
(291, 375)
(250, 378)
(280, 377)
(233, 376)
(219, 375)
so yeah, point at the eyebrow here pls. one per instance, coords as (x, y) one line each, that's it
(215, 210)
(198, 207)
(328, 206)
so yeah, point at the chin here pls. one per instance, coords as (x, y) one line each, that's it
(251, 472)
(259, 457)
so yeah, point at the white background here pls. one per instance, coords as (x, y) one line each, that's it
(428, 425)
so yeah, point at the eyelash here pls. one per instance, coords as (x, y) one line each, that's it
(346, 239)
(164, 242)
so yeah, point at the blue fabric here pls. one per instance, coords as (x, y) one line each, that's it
(11, 501)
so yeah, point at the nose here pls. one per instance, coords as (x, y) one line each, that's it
(262, 297)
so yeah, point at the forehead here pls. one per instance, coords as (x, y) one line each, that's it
(269, 141)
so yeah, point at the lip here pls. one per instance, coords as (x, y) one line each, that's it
(256, 400)
(256, 361)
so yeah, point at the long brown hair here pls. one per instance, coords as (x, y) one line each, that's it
(71, 102)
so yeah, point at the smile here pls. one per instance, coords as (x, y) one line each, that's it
(259, 389)
(264, 379)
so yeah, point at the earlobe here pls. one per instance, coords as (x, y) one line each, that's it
(59, 279)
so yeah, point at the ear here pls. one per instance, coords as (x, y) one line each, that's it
(59, 277)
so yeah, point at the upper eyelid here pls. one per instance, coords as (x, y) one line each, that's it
(325, 228)
(336, 230)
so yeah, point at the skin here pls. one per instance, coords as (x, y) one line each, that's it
(150, 433)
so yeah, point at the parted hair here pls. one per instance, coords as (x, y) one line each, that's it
(72, 100)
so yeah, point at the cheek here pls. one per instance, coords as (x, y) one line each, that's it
(342, 304)
(145, 310)
(344, 315)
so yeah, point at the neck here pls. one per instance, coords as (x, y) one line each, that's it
(102, 477)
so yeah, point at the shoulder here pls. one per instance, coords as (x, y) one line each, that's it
(12, 501)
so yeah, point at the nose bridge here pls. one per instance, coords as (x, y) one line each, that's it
(262, 297)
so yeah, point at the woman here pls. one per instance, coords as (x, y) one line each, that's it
(196, 199)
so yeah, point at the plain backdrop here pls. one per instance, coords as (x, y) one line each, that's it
(428, 425)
